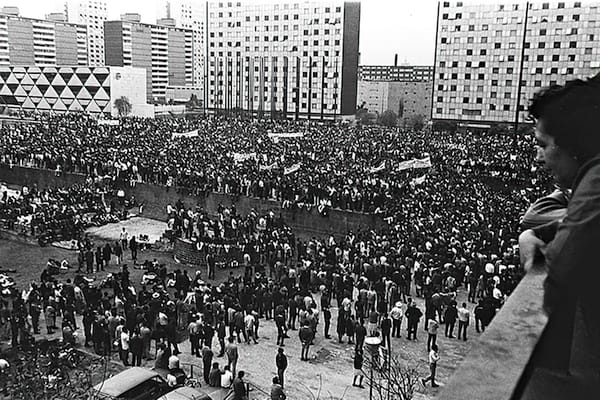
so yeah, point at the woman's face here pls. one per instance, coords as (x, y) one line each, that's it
(562, 165)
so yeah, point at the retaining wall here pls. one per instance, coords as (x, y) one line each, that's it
(156, 198)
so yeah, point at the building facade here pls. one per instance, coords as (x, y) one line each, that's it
(490, 59)
(190, 14)
(395, 73)
(294, 59)
(166, 52)
(92, 14)
(71, 88)
(405, 98)
(29, 41)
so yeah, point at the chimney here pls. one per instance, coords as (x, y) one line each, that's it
(396, 60)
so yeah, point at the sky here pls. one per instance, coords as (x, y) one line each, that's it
(387, 27)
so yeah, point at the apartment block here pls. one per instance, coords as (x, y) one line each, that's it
(51, 42)
(190, 14)
(405, 98)
(92, 14)
(392, 73)
(166, 52)
(298, 59)
(490, 59)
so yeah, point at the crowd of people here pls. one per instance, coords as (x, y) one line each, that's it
(451, 225)
(56, 213)
(331, 165)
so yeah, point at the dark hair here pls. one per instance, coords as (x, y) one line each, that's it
(571, 115)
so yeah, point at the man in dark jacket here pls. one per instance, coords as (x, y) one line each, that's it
(281, 362)
(450, 316)
(239, 387)
(207, 356)
(413, 315)
(360, 332)
(136, 347)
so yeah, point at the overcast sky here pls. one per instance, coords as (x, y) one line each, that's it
(388, 27)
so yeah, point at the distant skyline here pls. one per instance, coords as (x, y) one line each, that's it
(388, 27)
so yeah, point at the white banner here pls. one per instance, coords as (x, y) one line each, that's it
(108, 122)
(292, 169)
(285, 135)
(415, 163)
(189, 134)
(268, 167)
(418, 181)
(241, 157)
(381, 167)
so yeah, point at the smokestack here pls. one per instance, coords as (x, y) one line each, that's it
(395, 60)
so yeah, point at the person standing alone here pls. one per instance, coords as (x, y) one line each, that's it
(281, 362)
(434, 357)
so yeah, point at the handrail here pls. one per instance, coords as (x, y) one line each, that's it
(493, 368)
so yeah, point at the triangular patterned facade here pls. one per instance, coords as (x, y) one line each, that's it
(57, 88)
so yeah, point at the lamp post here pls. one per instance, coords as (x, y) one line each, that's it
(372, 343)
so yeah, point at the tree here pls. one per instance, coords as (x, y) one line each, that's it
(391, 378)
(416, 122)
(388, 118)
(123, 106)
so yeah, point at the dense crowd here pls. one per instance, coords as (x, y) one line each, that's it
(348, 167)
(448, 226)
(55, 214)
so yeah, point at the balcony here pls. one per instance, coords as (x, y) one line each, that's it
(515, 359)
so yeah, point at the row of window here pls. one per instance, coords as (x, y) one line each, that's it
(315, 53)
(286, 6)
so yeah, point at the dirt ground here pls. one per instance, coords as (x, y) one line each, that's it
(329, 372)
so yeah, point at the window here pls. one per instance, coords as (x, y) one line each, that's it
(495, 70)
(541, 45)
(471, 28)
(557, 45)
(454, 64)
(575, 17)
(493, 95)
(442, 64)
(571, 57)
(469, 52)
(492, 107)
(561, 5)
(554, 70)
(494, 82)
(559, 18)
(468, 64)
(480, 77)
(508, 82)
(588, 50)
(555, 57)
(506, 107)
(497, 45)
(542, 32)
(511, 58)
(465, 100)
(454, 76)
(572, 45)
(540, 57)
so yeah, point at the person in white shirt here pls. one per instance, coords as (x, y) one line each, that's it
(249, 322)
(463, 321)
(226, 378)
(434, 357)
(396, 314)
(125, 346)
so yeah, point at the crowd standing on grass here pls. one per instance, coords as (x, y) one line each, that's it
(450, 226)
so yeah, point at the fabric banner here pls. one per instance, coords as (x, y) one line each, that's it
(415, 163)
(189, 134)
(418, 181)
(292, 169)
(108, 122)
(381, 167)
(241, 157)
(285, 135)
(268, 167)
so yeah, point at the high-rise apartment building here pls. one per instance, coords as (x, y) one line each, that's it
(299, 59)
(91, 13)
(490, 59)
(405, 98)
(412, 73)
(37, 42)
(190, 14)
(162, 49)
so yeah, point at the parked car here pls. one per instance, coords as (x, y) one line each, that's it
(138, 383)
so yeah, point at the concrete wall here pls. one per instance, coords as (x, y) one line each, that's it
(156, 198)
